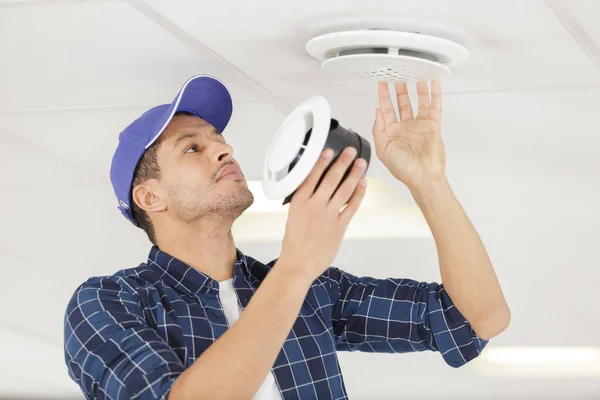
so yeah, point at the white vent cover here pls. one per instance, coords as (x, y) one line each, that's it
(387, 55)
(290, 157)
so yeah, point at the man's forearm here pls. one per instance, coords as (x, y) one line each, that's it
(466, 269)
(235, 366)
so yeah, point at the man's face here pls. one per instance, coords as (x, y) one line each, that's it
(198, 173)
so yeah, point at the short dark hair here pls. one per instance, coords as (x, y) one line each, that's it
(147, 168)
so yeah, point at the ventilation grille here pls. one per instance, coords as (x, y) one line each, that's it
(390, 71)
(388, 66)
(386, 55)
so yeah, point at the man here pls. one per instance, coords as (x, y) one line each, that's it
(201, 320)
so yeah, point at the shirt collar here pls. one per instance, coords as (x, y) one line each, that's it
(185, 278)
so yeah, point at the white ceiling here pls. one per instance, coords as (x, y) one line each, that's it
(520, 129)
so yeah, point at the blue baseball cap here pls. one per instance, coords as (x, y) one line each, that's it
(202, 95)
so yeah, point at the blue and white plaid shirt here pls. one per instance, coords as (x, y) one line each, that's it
(131, 334)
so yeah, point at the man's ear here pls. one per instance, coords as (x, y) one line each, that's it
(148, 198)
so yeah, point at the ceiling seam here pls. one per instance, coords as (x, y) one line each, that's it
(528, 90)
(87, 173)
(196, 45)
(98, 107)
(564, 15)
(35, 3)
(534, 89)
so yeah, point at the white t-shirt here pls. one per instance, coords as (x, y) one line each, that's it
(268, 390)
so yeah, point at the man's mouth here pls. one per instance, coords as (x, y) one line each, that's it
(230, 172)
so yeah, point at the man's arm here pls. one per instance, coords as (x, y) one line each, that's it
(247, 350)
(397, 316)
(413, 151)
(111, 352)
(466, 269)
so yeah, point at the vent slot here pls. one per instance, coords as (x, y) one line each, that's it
(384, 50)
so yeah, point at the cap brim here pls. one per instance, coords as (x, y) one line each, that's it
(204, 96)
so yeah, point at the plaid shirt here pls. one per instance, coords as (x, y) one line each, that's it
(131, 334)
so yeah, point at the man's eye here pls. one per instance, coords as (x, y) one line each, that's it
(194, 148)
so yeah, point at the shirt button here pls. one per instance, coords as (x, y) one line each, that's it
(209, 285)
(218, 314)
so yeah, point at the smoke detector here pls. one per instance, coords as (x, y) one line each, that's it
(387, 54)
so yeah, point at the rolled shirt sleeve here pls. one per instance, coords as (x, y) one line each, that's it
(397, 316)
(110, 351)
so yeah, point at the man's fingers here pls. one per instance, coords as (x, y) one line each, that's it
(380, 135)
(355, 201)
(344, 192)
(404, 105)
(435, 112)
(334, 175)
(424, 102)
(306, 189)
(385, 103)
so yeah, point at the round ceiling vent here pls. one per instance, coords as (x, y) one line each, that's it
(387, 55)
(298, 143)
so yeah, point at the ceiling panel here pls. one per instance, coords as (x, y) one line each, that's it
(27, 164)
(33, 369)
(69, 230)
(93, 54)
(43, 294)
(514, 44)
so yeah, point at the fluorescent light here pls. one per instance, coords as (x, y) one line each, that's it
(542, 355)
(382, 214)
(378, 196)
(539, 361)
